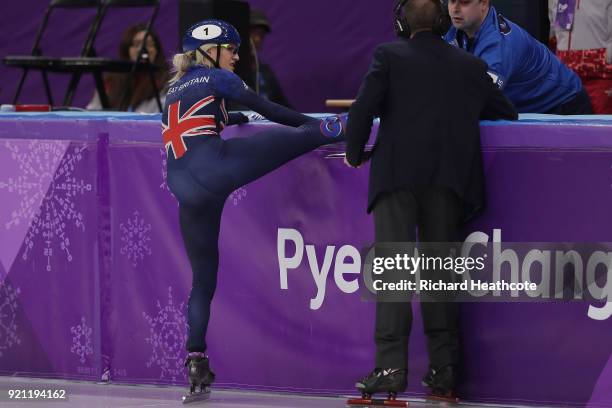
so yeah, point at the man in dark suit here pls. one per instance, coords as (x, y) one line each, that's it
(426, 171)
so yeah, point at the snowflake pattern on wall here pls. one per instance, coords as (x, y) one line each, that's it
(167, 337)
(81, 340)
(8, 316)
(57, 208)
(135, 239)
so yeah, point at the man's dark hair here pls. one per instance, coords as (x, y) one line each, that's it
(422, 14)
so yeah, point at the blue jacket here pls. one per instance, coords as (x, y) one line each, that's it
(529, 74)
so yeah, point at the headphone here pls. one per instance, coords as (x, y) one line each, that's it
(402, 28)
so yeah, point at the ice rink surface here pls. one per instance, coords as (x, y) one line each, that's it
(98, 395)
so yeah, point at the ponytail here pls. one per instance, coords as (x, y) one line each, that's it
(182, 62)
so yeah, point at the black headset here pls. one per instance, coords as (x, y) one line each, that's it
(402, 28)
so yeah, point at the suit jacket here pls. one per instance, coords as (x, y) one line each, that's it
(429, 97)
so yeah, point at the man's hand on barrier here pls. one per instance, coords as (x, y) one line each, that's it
(366, 155)
(350, 165)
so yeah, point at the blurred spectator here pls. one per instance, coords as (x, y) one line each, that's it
(266, 84)
(140, 92)
(583, 33)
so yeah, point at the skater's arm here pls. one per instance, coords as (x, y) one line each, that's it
(367, 105)
(229, 85)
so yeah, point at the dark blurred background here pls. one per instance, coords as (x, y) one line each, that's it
(319, 49)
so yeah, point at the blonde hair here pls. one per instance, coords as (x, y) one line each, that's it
(181, 62)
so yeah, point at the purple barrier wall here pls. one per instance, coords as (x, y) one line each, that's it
(128, 300)
(312, 46)
(49, 293)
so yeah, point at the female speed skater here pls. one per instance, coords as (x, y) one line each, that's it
(203, 168)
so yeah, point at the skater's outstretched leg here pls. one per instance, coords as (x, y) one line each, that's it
(240, 161)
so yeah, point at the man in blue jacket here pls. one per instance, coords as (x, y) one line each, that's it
(528, 73)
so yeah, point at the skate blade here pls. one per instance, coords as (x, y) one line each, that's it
(364, 402)
(196, 397)
(439, 398)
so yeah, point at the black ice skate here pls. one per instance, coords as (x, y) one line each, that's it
(200, 379)
(442, 384)
(389, 380)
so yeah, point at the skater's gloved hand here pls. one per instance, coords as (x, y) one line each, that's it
(237, 118)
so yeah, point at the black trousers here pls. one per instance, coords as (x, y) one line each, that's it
(437, 213)
(578, 105)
